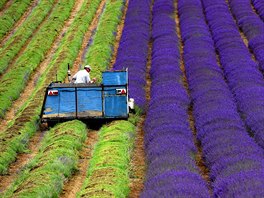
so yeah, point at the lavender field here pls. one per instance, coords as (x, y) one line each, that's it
(195, 71)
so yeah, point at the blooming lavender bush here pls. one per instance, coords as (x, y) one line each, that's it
(241, 72)
(133, 48)
(230, 154)
(251, 25)
(169, 146)
(259, 6)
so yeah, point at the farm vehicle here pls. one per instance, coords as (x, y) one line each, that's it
(88, 102)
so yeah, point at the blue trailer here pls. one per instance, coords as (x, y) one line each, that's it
(68, 101)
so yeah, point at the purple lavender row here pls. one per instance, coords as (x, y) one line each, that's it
(241, 72)
(169, 147)
(133, 48)
(259, 6)
(252, 26)
(235, 161)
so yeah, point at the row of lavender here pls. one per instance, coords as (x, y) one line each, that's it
(241, 72)
(252, 26)
(235, 161)
(259, 6)
(169, 147)
(133, 48)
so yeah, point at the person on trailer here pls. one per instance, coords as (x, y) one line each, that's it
(83, 76)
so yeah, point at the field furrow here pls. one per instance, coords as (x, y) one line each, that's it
(170, 150)
(20, 22)
(259, 7)
(230, 154)
(25, 124)
(199, 157)
(118, 34)
(12, 14)
(195, 71)
(56, 160)
(137, 164)
(4, 4)
(73, 185)
(16, 79)
(108, 172)
(15, 45)
(21, 160)
(242, 73)
(88, 36)
(252, 26)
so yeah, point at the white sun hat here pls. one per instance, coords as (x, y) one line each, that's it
(87, 66)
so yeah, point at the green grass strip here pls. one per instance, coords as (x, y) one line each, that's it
(12, 14)
(72, 42)
(101, 49)
(2, 3)
(11, 48)
(14, 81)
(15, 138)
(56, 160)
(108, 172)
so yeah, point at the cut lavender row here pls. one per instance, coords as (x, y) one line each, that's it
(133, 48)
(171, 169)
(229, 152)
(259, 6)
(252, 26)
(243, 76)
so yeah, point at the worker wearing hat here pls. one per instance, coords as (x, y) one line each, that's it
(83, 76)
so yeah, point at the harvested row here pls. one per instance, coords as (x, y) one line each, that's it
(17, 135)
(133, 49)
(14, 44)
(14, 81)
(235, 161)
(252, 26)
(108, 172)
(100, 52)
(12, 14)
(259, 6)
(109, 184)
(57, 159)
(171, 169)
(244, 78)
(3, 3)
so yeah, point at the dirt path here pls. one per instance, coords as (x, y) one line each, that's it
(19, 22)
(87, 37)
(204, 171)
(6, 6)
(74, 184)
(22, 160)
(40, 69)
(22, 50)
(137, 164)
(242, 35)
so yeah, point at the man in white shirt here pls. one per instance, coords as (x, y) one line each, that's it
(83, 76)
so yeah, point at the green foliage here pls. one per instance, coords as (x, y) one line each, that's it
(44, 175)
(100, 51)
(10, 49)
(2, 3)
(18, 131)
(13, 82)
(108, 173)
(14, 141)
(11, 15)
(72, 41)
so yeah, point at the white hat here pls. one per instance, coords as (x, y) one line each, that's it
(87, 66)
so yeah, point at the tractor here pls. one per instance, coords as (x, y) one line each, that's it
(106, 101)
